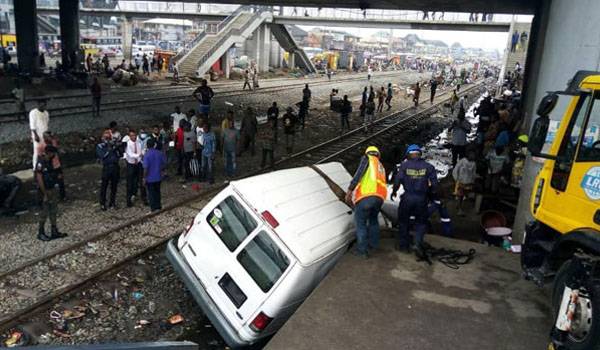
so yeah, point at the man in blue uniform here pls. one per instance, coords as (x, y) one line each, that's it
(109, 153)
(419, 181)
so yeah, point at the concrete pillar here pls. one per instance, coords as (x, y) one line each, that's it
(69, 31)
(27, 35)
(226, 63)
(251, 47)
(292, 60)
(127, 38)
(275, 59)
(564, 40)
(265, 47)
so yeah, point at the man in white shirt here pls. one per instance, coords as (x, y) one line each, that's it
(177, 117)
(38, 124)
(133, 158)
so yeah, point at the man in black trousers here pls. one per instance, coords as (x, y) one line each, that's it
(109, 153)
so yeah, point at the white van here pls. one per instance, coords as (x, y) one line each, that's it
(257, 249)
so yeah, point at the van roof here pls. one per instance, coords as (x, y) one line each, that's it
(313, 222)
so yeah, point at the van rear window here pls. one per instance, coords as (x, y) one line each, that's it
(231, 222)
(263, 260)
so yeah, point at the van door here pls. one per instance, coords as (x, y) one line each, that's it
(236, 259)
(210, 250)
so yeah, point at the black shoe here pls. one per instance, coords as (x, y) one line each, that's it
(103, 207)
(56, 234)
(113, 206)
(42, 235)
(129, 204)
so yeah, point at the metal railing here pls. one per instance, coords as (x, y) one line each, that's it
(190, 46)
(227, 34)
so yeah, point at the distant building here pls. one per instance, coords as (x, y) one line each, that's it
(166, 29)
(299, 35)
(334, 39)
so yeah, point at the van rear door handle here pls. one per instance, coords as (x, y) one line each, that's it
(597, 217)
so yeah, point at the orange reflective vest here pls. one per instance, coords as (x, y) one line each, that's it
(373, 181)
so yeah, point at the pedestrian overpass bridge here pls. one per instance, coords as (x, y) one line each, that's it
(303, 20)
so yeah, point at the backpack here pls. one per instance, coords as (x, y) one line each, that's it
(194, 167)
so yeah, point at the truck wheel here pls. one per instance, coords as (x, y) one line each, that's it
(585, 328)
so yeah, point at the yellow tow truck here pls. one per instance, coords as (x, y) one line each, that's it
(563, 240)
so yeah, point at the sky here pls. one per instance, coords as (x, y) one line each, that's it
(484, 40)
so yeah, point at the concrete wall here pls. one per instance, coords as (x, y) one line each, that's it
(569, 42)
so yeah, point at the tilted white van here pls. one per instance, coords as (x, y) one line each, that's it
(258, 249)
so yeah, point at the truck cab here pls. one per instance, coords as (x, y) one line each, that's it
(563, 240)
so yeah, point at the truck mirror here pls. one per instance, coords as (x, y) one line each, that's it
(538, 134)
(547, 104)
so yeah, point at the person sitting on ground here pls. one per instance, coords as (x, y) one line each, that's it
(464, 174)
(9, 187)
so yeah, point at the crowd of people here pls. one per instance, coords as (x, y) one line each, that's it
(189, 144)
(492, 160)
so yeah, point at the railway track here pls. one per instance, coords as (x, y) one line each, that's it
(32, 286)
(183, 94)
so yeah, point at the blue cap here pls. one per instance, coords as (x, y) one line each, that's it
(413, 148)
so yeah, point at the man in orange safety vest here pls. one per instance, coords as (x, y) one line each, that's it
(367, 191)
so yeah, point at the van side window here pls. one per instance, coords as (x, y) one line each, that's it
(263, 260)
(231, 222)
(589, 150)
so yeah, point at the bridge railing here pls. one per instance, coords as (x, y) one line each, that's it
(342, 13)
(209, 28)
(232, 31)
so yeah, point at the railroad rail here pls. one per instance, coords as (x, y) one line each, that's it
(121, 236)
(183, 95)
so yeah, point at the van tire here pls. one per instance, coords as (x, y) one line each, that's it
(591, 341)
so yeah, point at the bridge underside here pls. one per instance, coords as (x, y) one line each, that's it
(487, 6)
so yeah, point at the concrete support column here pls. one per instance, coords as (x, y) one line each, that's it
(27, 35)
(226, 63)
(292, 60)
(275, 54)
(264, 48)
(127, 37)
(69, 31)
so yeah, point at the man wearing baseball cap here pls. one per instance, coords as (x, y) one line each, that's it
(419, 180)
